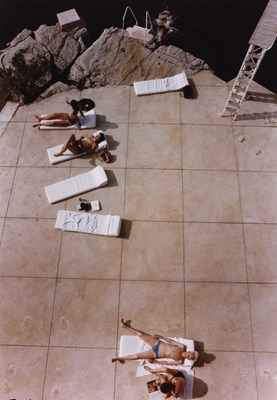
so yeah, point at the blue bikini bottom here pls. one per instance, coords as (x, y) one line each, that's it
(155, 348)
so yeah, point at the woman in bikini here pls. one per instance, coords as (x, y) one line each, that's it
(161, 347)
(62, 119)
(173, 382)
(86, 144)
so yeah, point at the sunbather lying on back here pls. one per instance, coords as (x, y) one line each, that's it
(86, 144)
(161, 347)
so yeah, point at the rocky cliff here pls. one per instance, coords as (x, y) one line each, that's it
(46, 61)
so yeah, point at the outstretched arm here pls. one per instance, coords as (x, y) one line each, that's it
(173, 362)
(164, 370)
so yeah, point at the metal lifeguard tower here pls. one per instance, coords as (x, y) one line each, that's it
(261, 40)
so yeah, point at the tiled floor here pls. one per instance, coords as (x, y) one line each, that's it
(196, 257)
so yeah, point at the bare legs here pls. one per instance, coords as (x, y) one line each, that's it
(61, 117)
(149, 354)
(142, 335)
(70, 145)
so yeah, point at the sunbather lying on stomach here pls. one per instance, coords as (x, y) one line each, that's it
(165, 348)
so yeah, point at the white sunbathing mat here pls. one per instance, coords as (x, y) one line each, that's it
(76, 185)
(67, 155)
(88, 121)
(153, 86)
(132, 344)
(108, 225)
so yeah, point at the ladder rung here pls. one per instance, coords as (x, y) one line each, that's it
(238, 96)
(231, 107)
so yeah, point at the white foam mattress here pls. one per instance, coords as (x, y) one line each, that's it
(76, 185)
(107, 225)
(88, 121)
(168, 84)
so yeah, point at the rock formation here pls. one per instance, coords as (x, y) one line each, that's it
(115, 59)
(49, 60)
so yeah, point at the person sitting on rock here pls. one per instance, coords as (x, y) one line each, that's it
(86, 144)
(62, 119)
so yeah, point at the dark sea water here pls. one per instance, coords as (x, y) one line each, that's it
(217, 31)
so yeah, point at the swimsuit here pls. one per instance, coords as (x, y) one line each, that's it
(155, 348)
(178, 375)
(71, 120)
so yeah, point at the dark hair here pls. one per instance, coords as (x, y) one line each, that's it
(75, 105)
(102, 137)
(166, 387)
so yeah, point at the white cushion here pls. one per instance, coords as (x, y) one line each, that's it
(140, 33)
(108, 225)
(76, 185)
(133, 344)
(153, 86)
(88, 121)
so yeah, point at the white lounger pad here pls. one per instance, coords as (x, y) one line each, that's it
(140, 33)
(133, 344)
(74, 221)
(76, 185)
(153, 86)
(88, 121)
(67, 155)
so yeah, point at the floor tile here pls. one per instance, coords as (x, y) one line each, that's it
(28, 197)
(260, 110)
(33, 152)
(154, 146)
(79, 374)
(110, 109)
(85, 313)
(208, 147)
(258, 196)
(162, 261)
(21, 114)
(26, 309)
(11, 141)
(209, 105)
(18, 365)
(206, 78)
(2, 222)
(263, 300)
(139, 299)
(229, 376)
(211, 196)
(266, 366)
(256, 148)
(128, 387)
(214, 252)
(218, 315)
(111, 196)
(89, 256)
(153, 195)
(42, 242)
(155, 109)
(261, 252)
(6, 183)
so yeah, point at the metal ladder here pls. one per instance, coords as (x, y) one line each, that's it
(245, 76)
(262, 40)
